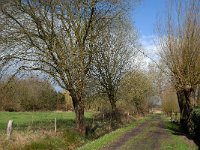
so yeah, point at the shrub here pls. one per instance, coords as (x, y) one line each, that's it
(196, 121)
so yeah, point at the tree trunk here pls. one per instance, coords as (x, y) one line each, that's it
(198, 95)
(80, 120)
(113, 106)
(79, 107)
(184, 100)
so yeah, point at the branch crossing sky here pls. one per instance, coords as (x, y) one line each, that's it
(145, 18)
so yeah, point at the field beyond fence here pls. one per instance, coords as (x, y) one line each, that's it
(34, 120)
(36, 130)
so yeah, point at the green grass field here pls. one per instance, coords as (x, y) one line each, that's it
(35, 130)
(37, 119)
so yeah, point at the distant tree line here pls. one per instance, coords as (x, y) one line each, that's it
(29, 95)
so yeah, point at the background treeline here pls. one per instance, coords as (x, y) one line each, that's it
(29, 95)
(134, 95)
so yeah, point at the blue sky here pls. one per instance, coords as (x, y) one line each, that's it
(146, 15)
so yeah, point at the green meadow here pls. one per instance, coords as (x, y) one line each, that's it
(22, 120)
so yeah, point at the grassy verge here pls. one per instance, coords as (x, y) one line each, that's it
(108, 138)
(66, 140)
(35, 131)
(176, 140)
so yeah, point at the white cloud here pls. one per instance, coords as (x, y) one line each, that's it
(150, 50)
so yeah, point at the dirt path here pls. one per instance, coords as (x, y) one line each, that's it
(147, 136)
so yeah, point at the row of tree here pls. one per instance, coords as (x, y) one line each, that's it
(70, 41)
(32, 94)
(29, 95)
(89, 46)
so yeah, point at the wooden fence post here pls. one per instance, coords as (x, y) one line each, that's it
(32, 119)
(55, 126)
(9, 129)
(93, 120)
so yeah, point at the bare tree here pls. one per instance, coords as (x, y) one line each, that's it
(115, 50)
(56, 38)
(181, 53)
